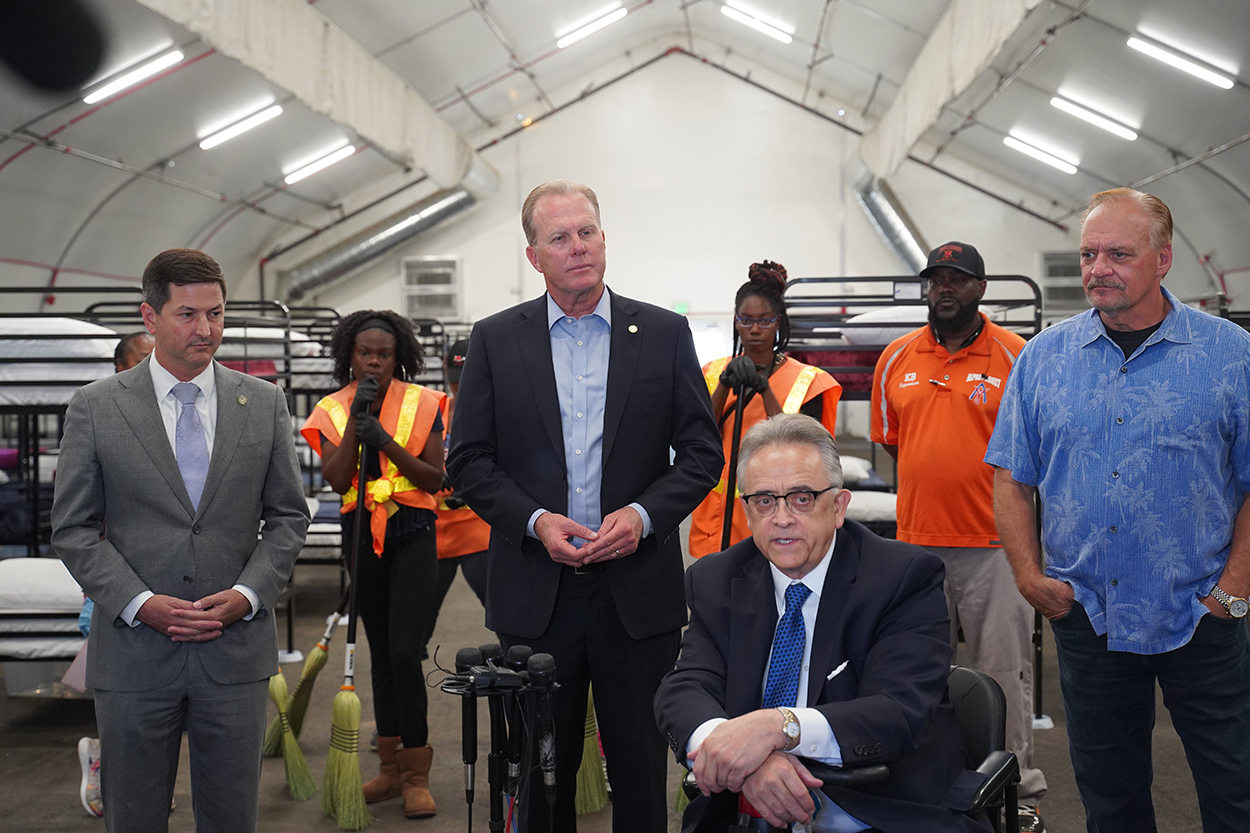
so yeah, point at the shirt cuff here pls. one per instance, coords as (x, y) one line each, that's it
(529, 527)
(252, 599)
(646, 519)
(816, 740)
(130, 611)
(700, 734)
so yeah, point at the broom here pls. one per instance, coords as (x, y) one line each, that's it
(297, 706)
(592, 786)
(299, 779)
(342, 795)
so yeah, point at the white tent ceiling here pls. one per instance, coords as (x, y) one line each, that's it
(80, 184)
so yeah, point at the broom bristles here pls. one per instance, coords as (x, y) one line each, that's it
(299, 778)
(343, 796)
(592, 785)
(297, 706)
(273, 733)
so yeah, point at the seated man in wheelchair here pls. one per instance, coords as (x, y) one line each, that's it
(814, 638)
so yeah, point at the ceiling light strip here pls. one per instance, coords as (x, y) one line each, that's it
(592, 27)
(1093, 118)
(134, 77)
(320, 164)
(755, 23)
(1180, 63)
(1039, 154)
(241, 127)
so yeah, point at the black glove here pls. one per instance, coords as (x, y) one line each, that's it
(370, 432)
(742, 373)
(366, 392)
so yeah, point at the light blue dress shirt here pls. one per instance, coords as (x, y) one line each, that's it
(1141, 465)
(580, 350)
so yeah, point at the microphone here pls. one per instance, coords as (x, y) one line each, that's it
(542, 671)
(492, 654)
(516, 660)
(466, 658)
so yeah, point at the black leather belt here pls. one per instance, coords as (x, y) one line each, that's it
(591, 569)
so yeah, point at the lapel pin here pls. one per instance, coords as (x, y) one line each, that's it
(242, 400)
(633, 328)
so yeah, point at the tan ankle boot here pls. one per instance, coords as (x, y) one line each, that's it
(387, 784)
(414, 771)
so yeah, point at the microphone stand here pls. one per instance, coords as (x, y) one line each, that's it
(731, 479)
(496, 760)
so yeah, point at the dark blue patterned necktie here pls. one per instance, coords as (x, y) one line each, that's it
(782, 687)
(190, 445)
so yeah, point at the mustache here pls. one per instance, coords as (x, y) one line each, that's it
(1104, 284)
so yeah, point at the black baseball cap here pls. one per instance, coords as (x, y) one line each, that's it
(455, 359)
(956, 255)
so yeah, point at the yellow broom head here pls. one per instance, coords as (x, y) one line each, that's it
(299, 778)
(273, 734)
(342, 794)
(592, 784)
(297, 706)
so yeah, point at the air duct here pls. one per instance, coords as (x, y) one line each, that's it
(893, 223)
(374, 241)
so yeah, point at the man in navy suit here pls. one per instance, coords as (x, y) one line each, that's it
(569, 405)
(854, 624)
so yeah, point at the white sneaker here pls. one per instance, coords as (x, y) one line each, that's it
(89, 790)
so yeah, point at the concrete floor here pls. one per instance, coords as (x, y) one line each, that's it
(39, 773)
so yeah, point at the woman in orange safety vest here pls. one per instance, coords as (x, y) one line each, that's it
(774, 384)
(375, 353)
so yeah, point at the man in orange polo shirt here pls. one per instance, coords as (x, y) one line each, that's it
(935, 397)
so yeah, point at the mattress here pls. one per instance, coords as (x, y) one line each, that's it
(261, 351)
(39, 604)
(18, 381)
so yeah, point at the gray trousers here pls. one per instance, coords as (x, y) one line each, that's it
(997, 622)
(141, 735)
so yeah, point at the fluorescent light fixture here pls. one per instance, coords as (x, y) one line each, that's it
(320, 164)
(1039, 154)
(750, 18)
(242, 126)
(593, 26)
(1181, 63)
(134, 76)
(738, 5)
(1093, 118)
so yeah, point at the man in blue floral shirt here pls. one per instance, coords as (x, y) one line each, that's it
(1131, 422)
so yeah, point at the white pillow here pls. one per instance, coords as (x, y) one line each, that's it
(872, 507)
(855, 469)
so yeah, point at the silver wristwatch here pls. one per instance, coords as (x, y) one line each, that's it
(1237, 607)
(790, 728)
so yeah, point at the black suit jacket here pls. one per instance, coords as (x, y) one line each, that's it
(883, 613)
(507, 458)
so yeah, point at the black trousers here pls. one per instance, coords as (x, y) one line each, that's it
(590, 646)
(396, 601)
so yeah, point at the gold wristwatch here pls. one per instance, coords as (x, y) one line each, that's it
(790, 728)
(1237, 607)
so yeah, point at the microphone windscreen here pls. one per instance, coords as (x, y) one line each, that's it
(55, 45)
(466, 658)
(518, 656)
(542, 670)
(491, 651)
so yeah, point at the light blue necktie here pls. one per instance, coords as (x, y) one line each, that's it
(782, 688)
(190, 446)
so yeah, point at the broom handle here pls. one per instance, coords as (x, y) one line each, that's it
(334, 618)
(362, 519)
(731, 479)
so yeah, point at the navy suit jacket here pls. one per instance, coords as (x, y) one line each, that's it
(883, 613)
(507, 458)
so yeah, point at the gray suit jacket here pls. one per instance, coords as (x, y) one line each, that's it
(122, 523)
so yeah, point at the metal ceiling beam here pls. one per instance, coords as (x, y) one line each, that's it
(963, 44)
(294, 47)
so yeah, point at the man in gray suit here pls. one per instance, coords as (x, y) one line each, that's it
(167, 473)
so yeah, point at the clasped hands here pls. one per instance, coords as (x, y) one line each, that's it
(618, 536)
(200, 621)
(744, 755)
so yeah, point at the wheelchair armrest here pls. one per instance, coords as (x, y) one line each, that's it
(843, 776)
(1001, 770)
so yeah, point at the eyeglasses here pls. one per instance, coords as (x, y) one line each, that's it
(749, 322)
(956, 281)
(800, 502)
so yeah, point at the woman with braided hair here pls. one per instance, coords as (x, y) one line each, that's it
(772, 383)
(375, 353)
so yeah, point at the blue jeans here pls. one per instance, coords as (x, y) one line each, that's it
(1109, 701)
